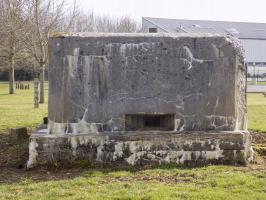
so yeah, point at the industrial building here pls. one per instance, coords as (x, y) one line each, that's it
(251, 35)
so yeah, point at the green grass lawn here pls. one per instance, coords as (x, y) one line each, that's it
(213, 182)
(258, 83)
(257, 112)
(210, 182)
(18, 109)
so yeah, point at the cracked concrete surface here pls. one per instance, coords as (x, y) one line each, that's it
(93, 79)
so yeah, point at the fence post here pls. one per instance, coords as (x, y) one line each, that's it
(36, 93)
(254, 79)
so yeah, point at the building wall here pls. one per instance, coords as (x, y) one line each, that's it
(255, 50)
(147, 24)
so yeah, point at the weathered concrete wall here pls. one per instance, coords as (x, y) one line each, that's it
(94, 80)
(100, 85)
(142, 148)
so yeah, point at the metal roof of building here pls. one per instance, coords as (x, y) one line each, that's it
(243, 30)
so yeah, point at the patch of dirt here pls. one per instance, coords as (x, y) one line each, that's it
(167, 179)
(14, 175)
(13, 158)
(12, 153)
(259, 144)
(258, 138)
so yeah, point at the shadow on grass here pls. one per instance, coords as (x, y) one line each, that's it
(13, 174)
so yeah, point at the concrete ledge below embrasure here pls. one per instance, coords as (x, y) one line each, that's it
(140, 148)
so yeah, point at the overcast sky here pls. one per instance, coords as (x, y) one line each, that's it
(226, 10)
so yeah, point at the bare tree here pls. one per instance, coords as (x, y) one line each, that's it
(27, 24)
(11, 22)
(84, 23)
(90, 22)
(126, 25)
(46, 16)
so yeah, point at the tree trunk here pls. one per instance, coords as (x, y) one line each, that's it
(11, 76)
(36, 93)
(42, 79)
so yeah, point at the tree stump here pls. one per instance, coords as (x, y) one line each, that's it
(18, 134)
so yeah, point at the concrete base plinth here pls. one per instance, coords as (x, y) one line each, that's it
(142, 147)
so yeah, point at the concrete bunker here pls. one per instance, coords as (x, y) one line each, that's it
(144, 98)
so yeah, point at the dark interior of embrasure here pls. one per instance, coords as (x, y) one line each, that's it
(135, 122)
